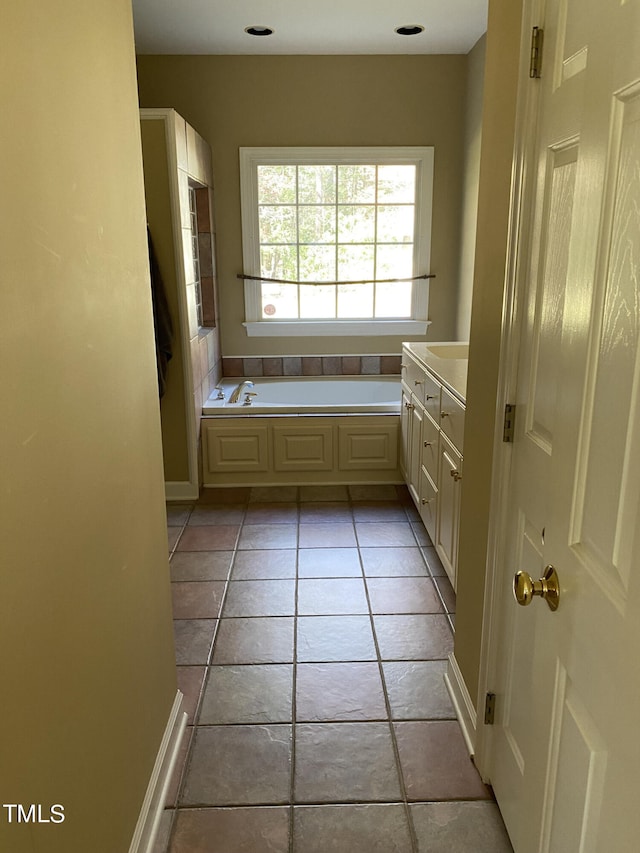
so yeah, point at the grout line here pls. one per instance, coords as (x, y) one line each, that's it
(387, 702)
(294, 681)
(296, 615)
(208, 663)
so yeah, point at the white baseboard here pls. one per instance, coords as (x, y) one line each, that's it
(180, 490)
(146, 829)
(465, 711)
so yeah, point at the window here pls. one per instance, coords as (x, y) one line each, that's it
(333, 226)
(195, 250)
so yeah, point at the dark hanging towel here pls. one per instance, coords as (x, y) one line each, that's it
(161, 319)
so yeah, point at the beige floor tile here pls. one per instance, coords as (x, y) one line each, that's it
(229, 830)
(329, 596)
(338, 762)
(370, 828)
(260, 598)
(264, 564)
(255, 640)
(200, 565)
(197, 599)
(339, 691)
(453, 827)
(414, 637)
(417, 690)
(239, 765)
(436, 764)
(259, 693)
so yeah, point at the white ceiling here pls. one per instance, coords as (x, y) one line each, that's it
(307, 26)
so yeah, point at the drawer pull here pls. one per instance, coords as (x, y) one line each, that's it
(430, 397)
(426, 501)
(418, 382)
(456, 475)
(444, 414)
(403, 366)
(409, 406)
(427, 443)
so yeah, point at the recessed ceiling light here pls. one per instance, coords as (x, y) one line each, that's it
(259, 31)
(409, 30)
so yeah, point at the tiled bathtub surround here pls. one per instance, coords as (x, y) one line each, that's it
(313, 365)
(312, 630)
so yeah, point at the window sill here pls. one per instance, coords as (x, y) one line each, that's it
(334, 328)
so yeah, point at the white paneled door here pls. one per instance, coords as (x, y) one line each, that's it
(564, 757)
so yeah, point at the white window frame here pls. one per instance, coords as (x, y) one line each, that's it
(250, 158)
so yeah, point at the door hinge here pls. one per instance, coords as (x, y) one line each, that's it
(508, 428)
(489, 709)
(535, 66)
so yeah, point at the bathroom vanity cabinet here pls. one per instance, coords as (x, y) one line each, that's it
(432, 435)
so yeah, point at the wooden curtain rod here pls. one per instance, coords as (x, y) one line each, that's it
(325, 283)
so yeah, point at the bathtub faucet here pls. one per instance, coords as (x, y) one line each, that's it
(236, 393)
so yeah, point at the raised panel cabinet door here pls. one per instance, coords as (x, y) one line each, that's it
(452, 419)
(432, 394)
(362, 447)
(236, 449)
(428, 504)
(448, 507)
(417, 416)
(300, 448)
(429, 449)
(405, 432)
(413, 375)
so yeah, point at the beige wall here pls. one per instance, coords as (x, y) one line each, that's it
(238, 101)
(503, 40)
(471, 177)
(87, 667)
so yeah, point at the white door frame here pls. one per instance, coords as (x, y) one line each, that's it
(523, 171)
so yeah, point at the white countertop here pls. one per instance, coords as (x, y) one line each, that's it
(450, 369)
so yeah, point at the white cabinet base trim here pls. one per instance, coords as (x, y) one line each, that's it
(146, 829)
(181, 491)
(465, 711)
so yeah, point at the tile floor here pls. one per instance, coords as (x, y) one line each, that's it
(312, 628)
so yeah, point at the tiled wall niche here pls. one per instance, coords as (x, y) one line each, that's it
(313, 365)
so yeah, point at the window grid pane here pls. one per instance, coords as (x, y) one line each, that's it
(313, 211)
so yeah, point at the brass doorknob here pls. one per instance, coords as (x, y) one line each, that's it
(548, 587)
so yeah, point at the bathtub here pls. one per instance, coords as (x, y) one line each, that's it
(299, 395)
(303, 431)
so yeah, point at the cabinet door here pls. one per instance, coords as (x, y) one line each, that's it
(429, 451)
(417, 416)
(432, 392)
(413, 376)
(235, 449)
(449, 476)
(405, 432)
(428, 503)
(298, 448)
(452, 419)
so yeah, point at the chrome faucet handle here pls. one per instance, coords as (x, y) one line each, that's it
(218, 388)
(247, 397)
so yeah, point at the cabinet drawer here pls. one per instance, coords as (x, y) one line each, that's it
(428, 504)
(413, 376)
(432, 396)
(452, 419)
(430, 434)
